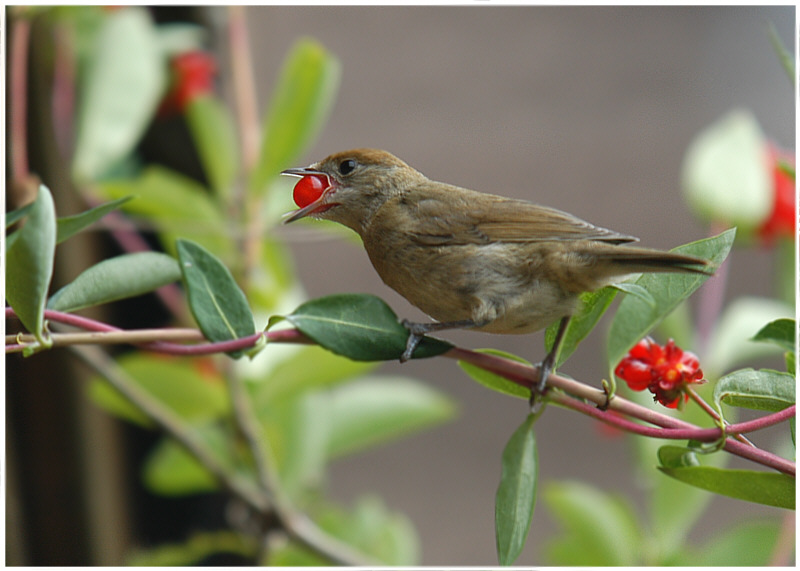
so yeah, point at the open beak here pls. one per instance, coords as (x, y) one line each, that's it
(318, 204)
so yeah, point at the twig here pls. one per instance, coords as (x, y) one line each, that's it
(21, 32)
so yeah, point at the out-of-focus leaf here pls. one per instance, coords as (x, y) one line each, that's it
(116, 278)
(29, 264)
(68, 226)
(16, 215)
(726, 177)
(176, 206)
(198, 547)
(299, 107)
(599, 529)
(124, 81)
(375, 411)
(359, 326)
(217, 303)
(212, 129)
(370, 527)
(749, 543)
(516, 494)
(731, 342)
(176, 383)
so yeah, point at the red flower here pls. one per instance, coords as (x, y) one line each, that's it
(192, 76)
(782, 221)
(664, 371)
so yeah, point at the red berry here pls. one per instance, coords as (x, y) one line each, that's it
(309, 189)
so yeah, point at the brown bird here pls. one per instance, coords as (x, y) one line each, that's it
(466, 258)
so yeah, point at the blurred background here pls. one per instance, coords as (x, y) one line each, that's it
(586, 109)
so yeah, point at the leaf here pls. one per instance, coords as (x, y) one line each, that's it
(593, 306)
(493, 380)
(117, 278)
(213, 133)
(637, 290)
(216, 301)
(768, 488)
(516, 494)
(635, 318)
(731, 341)
(177, 206)
(29, 266)
(372, 412)
(68, 226)
(16, 215)
(677, 456)
(599, 529)
(299, 107)
(780, 332)
(787, 59)
(370, 527)
(311, 367)
(170, 470)
(726, 178)
(767, 390)
(199, 546)
(747, 544)
(359, 326)
(177, 383)
(123, 84)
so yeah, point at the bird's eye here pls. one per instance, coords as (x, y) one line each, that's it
(346, 167)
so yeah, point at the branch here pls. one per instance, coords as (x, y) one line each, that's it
(573, 396)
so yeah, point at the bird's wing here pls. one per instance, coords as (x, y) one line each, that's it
(441, 214)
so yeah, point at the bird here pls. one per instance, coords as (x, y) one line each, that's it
(470, 259)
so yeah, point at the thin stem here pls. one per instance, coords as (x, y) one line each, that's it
(171, 424)
(21, 32)
(713, 413)
(244, 86)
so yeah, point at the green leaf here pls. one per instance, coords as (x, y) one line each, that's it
(196, 548)
(177, 383)
(170, 470)
(217, 303)
(726, 178)
(593, 306)
(768, 488)
(299, 108)
(635, 318)
(124, 82)
(787, 59)
(117, 278)
(637, 290)
(359, 326)
(16, 215)
(779, 332)
(516, 494)
(672, 456)
(213, 133)
(370, 527)
(731, 342)
(29, 264)
(493, 380)
(748, 544)
(177, 206)
(600, 529)
(767, 390)
(310, 367)
(372, 412)
(68, 226)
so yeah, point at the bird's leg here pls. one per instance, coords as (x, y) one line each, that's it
(416, 331)
(548, 364)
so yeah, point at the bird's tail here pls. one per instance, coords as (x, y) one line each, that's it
(634, 260)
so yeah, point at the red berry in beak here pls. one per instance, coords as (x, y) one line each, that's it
(308, 189)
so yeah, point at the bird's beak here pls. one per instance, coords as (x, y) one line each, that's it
(318, 205)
